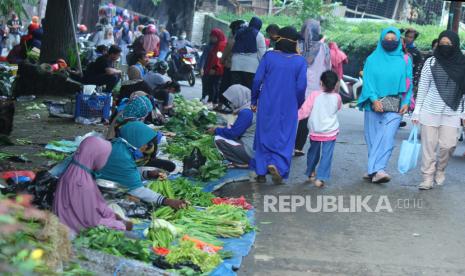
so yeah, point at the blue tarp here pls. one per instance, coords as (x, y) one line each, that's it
(239, 246)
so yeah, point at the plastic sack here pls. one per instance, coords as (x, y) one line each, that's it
(193, 162)
(409, 152)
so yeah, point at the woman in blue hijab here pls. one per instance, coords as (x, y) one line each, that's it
(385, 98)
(136, 138)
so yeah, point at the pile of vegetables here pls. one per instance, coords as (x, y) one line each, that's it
(187, 251)
(115, 243)
(225, 221)
(183, 188)
(190, 123)
(55, 156)
(33, 242)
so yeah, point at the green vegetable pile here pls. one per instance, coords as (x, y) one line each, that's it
(183, 188)
(186, 251)
(55, 156)
(190, 123)
(115, 243)
(222, 220)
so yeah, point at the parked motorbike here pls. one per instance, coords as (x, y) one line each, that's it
(182, 64)
(350, 89)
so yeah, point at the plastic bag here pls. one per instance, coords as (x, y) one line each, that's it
(409, 152)
(44, 187)
(193, 162)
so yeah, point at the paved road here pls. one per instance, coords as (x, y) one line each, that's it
(427, 239)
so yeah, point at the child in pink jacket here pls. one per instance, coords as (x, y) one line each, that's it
(321, 107)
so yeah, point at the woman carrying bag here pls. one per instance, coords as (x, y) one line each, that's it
(440, 107)
(384, 99)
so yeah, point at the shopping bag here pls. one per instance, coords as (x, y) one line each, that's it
(409, 152)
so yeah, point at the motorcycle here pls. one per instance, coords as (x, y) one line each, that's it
(182, 64)
(350, 89)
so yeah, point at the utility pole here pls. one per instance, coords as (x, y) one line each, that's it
(270, 7)
(455, 13)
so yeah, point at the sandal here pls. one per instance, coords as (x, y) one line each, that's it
(276, 177)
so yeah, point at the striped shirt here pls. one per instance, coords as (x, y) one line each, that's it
(429, 101)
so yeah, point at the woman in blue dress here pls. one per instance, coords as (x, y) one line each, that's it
(278, 92)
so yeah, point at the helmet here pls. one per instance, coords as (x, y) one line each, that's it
(161, 66)
(82, 28)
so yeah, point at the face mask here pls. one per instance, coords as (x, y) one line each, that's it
(390, 45)
(182, 37)
(446, 50)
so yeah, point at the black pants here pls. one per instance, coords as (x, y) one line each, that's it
(110, 81)
(211, 87)
(226, 82)
(302, 135)
(161, 164)
(242, 78)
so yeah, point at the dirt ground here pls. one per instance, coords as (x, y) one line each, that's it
(39, 132)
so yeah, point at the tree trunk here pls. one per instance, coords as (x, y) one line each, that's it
(58, 41)
(89, 14)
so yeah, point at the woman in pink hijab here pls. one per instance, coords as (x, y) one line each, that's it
(78, 202)
(151, 40)
(338, 58)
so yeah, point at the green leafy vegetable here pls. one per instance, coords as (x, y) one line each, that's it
(115, 243)
(52, 155)
(186, 251)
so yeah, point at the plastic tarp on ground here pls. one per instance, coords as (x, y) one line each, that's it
(239, 246)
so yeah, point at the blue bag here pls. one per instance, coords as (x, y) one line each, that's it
(409, 152)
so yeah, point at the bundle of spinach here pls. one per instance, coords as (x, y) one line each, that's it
(192, 192)
(191, 121)
(115, 243)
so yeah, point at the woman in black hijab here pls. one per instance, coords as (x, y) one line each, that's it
(287, 40)
(440, 107)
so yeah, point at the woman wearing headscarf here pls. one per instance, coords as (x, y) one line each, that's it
(135, 83)
(236, 142)
(78, 202)
(151, 41)
(249, 48)
(385, 98)
(136, 108)
(213, 68)
(136, 138)
(440, 107)
(226, 60)
(278, 92)
(318, 58)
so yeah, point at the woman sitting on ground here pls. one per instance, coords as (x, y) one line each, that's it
(236, 142)
(78, 202)
(139, 108)
(135, 83)
(136, 140)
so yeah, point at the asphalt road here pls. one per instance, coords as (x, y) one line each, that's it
(423, 235)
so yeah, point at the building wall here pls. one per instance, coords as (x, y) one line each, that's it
(210, 23)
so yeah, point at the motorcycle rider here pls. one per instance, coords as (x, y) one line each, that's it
(182, 42)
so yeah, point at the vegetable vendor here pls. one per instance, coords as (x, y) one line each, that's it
(138, 108)
(136, 138)
(236, 142)
(78, 202)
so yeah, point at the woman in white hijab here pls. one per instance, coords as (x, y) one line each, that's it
(236, 142)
